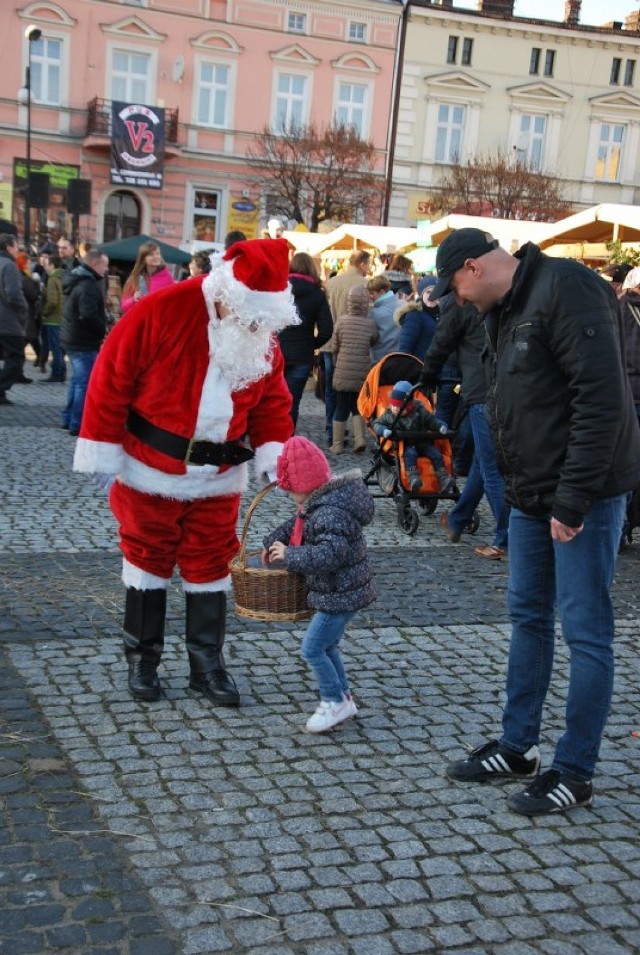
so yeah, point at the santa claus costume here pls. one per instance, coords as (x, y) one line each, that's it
(189, 386)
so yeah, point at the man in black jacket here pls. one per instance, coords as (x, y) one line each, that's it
(461, 330)
(568, 445)
(84, 324)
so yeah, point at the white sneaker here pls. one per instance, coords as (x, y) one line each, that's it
(330, 714)
(353, 709)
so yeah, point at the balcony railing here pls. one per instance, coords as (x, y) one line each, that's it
(99, 120)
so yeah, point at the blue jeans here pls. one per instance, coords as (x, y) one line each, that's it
(320, 650)
(81, 364)
(296, 377)
(412, 453)
(51, 343)
(448, 400)
(484, 478)
(576, 577)
(330, 396)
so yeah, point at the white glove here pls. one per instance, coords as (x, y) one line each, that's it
(443, 429)
(102, 481)
(386, 432)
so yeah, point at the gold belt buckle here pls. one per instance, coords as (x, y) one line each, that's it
(188, 451)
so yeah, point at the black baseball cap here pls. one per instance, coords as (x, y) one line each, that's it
(460, 245)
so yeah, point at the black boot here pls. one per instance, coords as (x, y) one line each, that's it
(206, 621)
(143, 639)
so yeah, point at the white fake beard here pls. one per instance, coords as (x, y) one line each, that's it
(243, 356)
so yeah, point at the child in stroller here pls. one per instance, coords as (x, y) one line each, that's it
(388, 466)
(409, 421)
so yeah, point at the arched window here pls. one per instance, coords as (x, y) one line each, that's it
(122, 216)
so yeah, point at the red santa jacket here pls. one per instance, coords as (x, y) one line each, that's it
(157, 362)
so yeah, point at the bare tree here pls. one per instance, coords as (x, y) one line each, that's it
(313, 173)
(495, 185)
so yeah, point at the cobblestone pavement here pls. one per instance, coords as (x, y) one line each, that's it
(175, 828)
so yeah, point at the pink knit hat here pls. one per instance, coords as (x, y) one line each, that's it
(302, 466)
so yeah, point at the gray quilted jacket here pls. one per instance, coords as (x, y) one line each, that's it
(333, 553)
(353, 336)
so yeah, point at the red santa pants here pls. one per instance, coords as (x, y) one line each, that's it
(157, 533)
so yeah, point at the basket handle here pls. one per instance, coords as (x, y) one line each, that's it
(245, 530)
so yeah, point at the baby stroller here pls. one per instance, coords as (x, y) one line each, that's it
(387, 467)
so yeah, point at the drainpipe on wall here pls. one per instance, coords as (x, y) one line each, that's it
(393, 127)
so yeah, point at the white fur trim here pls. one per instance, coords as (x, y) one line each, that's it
(266, 456)
(133, 576)
(213, 587)
(216, 404)
(197, 483)
(92, 456)
(273, 310)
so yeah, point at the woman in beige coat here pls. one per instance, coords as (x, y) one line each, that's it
(353, 336)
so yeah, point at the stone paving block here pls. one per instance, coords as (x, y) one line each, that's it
(354, 923)
(244, 808)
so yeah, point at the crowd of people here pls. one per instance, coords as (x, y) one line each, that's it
(535, 367)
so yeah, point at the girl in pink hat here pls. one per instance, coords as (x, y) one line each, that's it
(324, 542)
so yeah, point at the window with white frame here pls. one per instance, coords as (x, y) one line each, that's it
(291, 96)
(357, 32)
(351, 106)
(297, 23)
(609, 155)
(46, 59)
(213, 94)
(130, 76)
(205, 215)
(530, 148)
(449, 133)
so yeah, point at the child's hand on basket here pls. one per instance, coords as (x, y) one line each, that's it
(277, 551)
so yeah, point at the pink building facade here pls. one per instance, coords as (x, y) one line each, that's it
(221, 69)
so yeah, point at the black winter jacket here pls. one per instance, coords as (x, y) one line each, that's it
(13, 305)
(560, 405)
(460, 329)
(298, 342)
(84, 321)
(630, 305)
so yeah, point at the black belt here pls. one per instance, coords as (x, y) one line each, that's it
(185, 449)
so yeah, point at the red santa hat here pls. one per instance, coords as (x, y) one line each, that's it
(251, 279)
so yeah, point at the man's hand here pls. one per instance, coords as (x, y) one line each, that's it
(103, 481)
(562, 532)
(428, 382)
(386, 432)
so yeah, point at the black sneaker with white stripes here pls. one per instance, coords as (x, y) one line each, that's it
(552, 792)
(492, 760)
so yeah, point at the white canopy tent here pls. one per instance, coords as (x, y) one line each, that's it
(510, 233)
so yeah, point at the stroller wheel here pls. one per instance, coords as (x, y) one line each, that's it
(428, 505)
(409, 521)
(473, 524)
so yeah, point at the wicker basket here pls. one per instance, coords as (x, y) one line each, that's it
(263, 594)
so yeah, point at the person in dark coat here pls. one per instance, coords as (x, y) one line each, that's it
(417, 320)
(299, 342)
(13, 316)
(630, 306)
(324, 542)
(84, 325)
(32, 291)
(568, 444)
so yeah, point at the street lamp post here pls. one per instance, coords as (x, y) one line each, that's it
(33, 34)
(395, 110)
